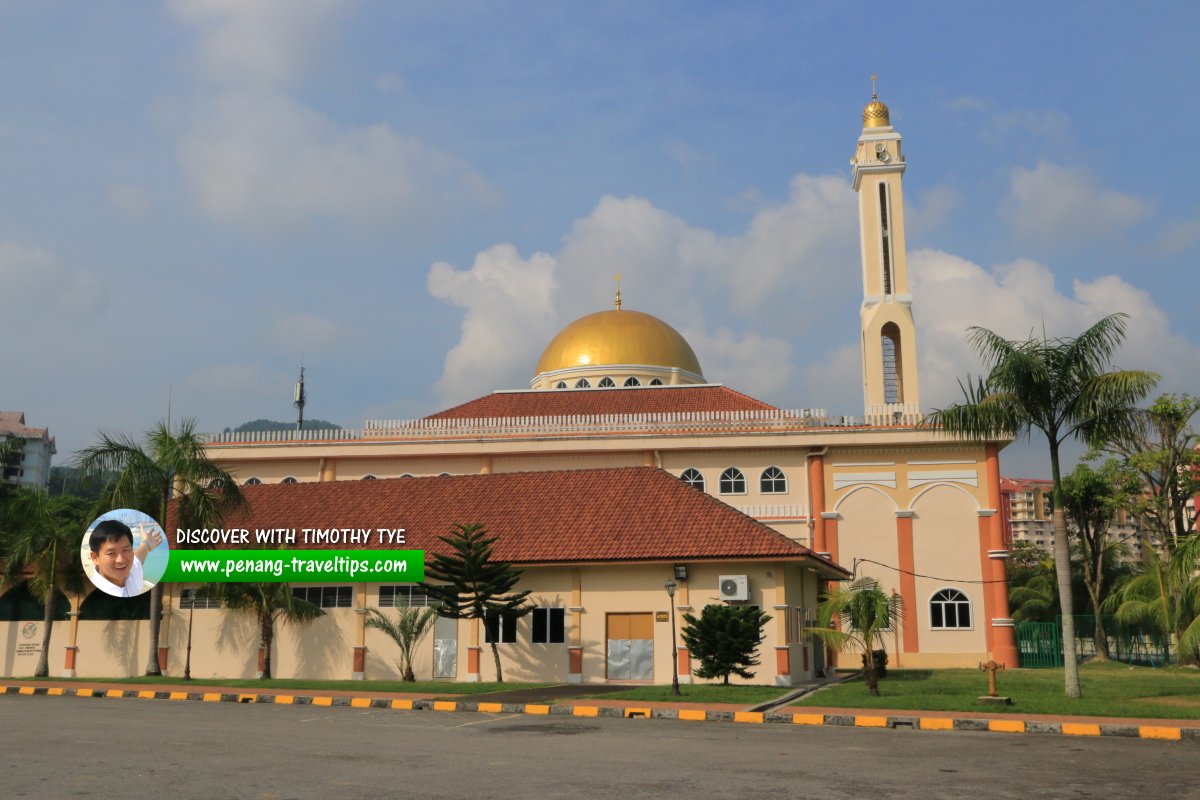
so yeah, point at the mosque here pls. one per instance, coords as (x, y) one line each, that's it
(622, 467)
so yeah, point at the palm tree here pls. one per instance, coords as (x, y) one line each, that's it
(1062, 388)
(40, 547)
(407, 630)
(145, 478)
(865, 612)
(1165, 598)
(269, 603)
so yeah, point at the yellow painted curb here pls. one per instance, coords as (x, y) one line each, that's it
(1156, 732)
(25, 690)
(870, 722)
(360, 702)
(537, 709)
(284, 699)
(692, 715)
(247, 698)
(147, 695)
(178, 696)
(936, 724)
(212, 697)
(83, 692)
(405, 705)
(586, 711)
(1006, 725)
(808, 719)
(748, 716)
(637, 712)
(445, 705)
(1080, 729)
(322, 701)
(490, 708)
(111, 693)
(54, 691)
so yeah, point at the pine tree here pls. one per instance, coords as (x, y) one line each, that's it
(473, 586)
(725, 640)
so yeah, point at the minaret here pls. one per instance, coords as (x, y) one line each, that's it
(888, 336)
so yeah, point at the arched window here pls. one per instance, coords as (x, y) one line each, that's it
(949, 610)
(443, 474)
(368, 477)
(583, 383)
(289, 479)
(407, 475)
(693, 478)
(607, 383)
(656, 382)
(253, 482)
(632, 381)
(773, 481)
(560, 385)
(733, 481)
(893, 385)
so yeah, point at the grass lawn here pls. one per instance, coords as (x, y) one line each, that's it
(1109, 690)
(696, 693)
(300, 684)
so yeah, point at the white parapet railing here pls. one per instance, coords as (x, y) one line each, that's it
(777, 511)
(677, 423)
(583, 425)
(290, 435)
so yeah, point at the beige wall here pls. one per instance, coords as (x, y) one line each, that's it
(946, 544)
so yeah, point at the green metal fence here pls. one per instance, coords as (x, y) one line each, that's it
(1040, 643)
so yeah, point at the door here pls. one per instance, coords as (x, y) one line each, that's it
(445, 648)
(630, 647)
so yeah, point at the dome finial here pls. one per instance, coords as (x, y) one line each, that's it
(876, 114)
(617, 278)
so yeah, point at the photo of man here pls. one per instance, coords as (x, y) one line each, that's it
(117, 563)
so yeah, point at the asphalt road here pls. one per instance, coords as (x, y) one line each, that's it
(83, 747)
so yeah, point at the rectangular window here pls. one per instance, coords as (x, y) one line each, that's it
(404, 596)
(189, 599)
(500, 628)
(326, 596)
(549, 625)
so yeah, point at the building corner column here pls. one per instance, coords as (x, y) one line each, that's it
(1004, 640)
(575, 646)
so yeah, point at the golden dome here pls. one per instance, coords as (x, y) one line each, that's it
(875, 115)
(618, 337)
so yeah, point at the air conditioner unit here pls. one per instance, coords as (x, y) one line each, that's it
(734, 587)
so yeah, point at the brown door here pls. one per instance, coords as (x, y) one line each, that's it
(630, 647)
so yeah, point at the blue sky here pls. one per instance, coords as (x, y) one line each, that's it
(414, 198)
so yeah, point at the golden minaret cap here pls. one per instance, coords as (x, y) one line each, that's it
(875, 115)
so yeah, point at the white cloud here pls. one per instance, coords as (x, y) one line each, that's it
(263, 42)
(509, 318)
(263, 161)
(254, 157)
(743, 358)
(738, 299)
(1053, 204)
(1016, 300)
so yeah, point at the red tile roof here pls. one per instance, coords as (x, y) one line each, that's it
(567, 402)
(576, 516)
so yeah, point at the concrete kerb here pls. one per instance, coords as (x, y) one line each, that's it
(1161, 729)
